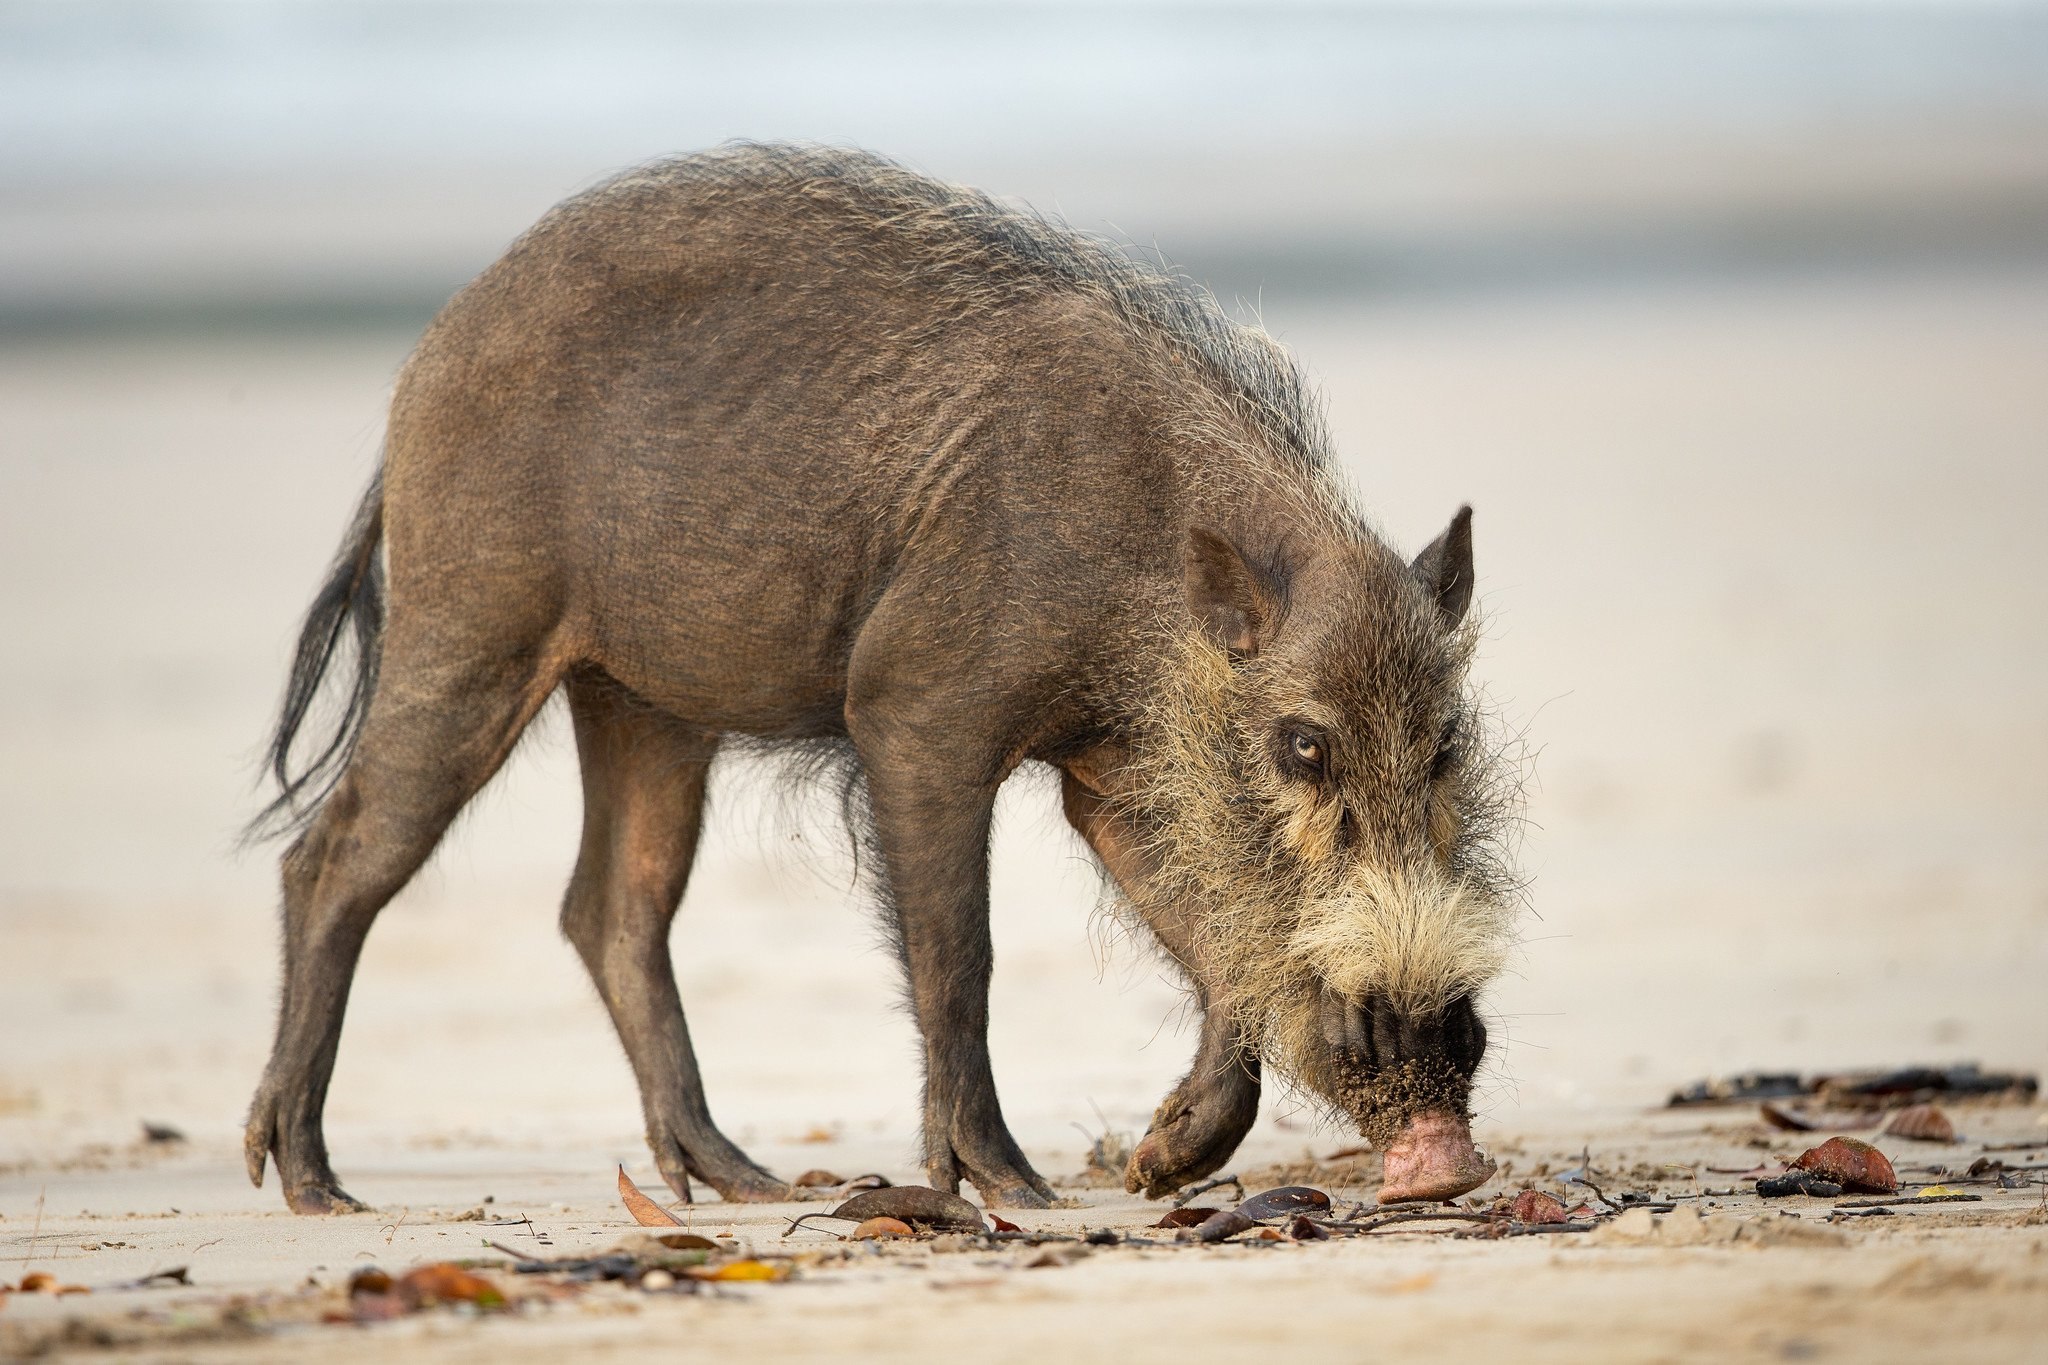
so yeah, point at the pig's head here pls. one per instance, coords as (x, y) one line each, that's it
(1318, 787)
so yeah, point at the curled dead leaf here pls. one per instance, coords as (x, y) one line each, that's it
(817, 1180)
(1534, 1206)
(368, 1280)
(645, 1211)
(1922, 1123)
(914, 1204)
(748, 1270)
(443, 1282)
(1002, 1224)
(1851, 1163)
(684, 1241)
(880, 1229)
(1285, 1202)
(1186, 1218)
(1306, 1229)
(38, 1282)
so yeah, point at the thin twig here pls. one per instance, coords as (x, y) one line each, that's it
(799, 1221)
(390, 1230)
(1911, 1199)
(521, 1257)
(1413, 1216)
(29, 1256)
(1204, 1186)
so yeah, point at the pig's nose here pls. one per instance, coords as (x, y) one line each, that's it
(1373, 1031)
(1381, 1036)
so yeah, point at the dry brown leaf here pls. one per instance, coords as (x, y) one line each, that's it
(1534, 1206)
(915, 1204)
(443, 1282)
(817, 1180)
(1285, 1201)
(1186, 1218)
(645, 1211)
(881, 1229)
(740, 1270)
(1223, 1226)
(1851, 1162)
(1922, 1123)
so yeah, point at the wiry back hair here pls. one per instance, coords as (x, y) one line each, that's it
(976, 252)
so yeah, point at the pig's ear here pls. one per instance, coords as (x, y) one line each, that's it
(1236, 604)
(1445, 567)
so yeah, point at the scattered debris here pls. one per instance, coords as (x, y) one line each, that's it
(1108, 1157)
(1749, 1086)
(374, 1296)
(1915, 1084)
(1884, 1089)
(1798, 1182)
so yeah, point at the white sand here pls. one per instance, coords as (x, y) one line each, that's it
(1766, 582)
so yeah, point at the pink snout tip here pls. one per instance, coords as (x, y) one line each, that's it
(1433, 1158)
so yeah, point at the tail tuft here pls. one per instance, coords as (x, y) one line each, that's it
(350, 604)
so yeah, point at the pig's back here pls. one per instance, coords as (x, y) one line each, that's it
(711, 410)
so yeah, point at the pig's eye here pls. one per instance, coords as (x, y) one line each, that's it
(1307, 748)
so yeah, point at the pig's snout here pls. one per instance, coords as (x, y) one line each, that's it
(1433, 1157)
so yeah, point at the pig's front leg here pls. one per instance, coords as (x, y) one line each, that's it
(1200, 1123)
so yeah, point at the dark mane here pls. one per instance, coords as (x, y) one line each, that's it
(979, 252)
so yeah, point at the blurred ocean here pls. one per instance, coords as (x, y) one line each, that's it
(233, 158)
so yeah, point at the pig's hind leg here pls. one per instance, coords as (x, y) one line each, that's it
(436, 732)
(644, 775)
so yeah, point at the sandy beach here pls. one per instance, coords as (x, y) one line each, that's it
(1763, 579)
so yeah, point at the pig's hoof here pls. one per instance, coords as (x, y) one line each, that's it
(1185, 1149)
(1015, 1195)
(1001, 1185)
(324, 1197)
(1156, 1169)
(1433, 1158)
